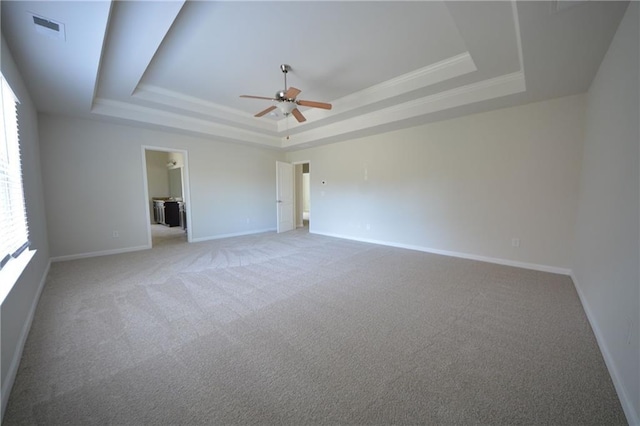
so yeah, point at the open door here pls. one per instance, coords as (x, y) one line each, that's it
(284, 194)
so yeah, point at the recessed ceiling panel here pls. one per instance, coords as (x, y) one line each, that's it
(217, 51)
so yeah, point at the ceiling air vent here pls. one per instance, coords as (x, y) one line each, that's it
(48, 27)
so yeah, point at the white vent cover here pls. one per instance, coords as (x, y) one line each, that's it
(48, 27)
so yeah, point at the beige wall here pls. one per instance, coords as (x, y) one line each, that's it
(467, 186)
(607, 255)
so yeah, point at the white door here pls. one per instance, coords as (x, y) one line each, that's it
(284, 194)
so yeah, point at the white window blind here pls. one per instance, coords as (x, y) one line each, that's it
(14, 233)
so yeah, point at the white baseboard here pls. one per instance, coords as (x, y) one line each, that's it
(235, 234)
(507, 262)
(632, 416)
(99, 253)
(146, 247)
(22, 339)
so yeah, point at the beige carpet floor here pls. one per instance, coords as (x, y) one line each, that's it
(304, 329)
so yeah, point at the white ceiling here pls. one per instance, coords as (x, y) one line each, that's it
(383, 65)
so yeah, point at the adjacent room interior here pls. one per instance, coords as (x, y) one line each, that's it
(166, 194)
(457, 185)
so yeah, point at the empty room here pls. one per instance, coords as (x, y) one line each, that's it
(320, 212)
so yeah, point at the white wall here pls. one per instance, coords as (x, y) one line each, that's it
(94, 185)
(18, 307)
(157, 176)
(607, 256)
(467, 185)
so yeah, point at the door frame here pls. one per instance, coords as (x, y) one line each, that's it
(186, 196)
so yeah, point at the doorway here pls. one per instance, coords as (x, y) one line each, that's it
(303, 194)
(167, 196)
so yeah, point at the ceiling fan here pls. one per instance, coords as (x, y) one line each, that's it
(286, 99)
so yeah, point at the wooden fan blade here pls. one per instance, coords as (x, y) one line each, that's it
(292, 93)
(314, 104)
(256, 97)
(298, 115)
(266, 111)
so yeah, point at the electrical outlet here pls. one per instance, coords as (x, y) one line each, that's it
(368, 226)
(115, 234)
(515, 242)
(248, 220)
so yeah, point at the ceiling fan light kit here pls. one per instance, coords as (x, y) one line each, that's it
(286, 100)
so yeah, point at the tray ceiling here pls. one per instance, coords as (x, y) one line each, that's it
(383, 65)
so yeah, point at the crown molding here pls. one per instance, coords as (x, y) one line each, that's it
(438, 72)
(504, 85)
(170, 98)
(435, 73)
(128, 111)
(516, 25)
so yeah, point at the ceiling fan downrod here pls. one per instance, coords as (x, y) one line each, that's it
(281, 94)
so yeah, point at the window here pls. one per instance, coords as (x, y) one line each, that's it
(13, 217)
